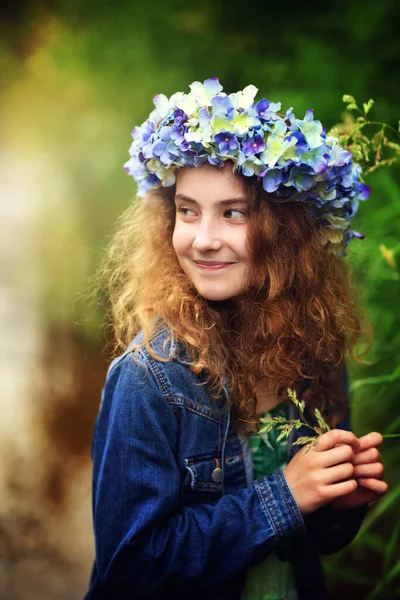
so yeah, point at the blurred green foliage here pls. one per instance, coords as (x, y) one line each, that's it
(77, 76)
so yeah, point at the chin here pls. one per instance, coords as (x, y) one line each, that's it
(215, 295)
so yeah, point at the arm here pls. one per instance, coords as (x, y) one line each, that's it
(334, 529)
(143, 541)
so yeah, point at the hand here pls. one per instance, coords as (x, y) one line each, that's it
(368, 471)
(325, 473)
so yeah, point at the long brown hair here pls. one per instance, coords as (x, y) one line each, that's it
(295, 322)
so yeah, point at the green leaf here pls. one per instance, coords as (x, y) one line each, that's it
(348, 98)
(384, 504)
(381, 590)
(367, 106)
(370, 540)
(391, 548)
(394, 425)
(344, 574)
(376, 380)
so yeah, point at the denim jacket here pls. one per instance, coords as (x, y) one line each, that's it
(175, 509)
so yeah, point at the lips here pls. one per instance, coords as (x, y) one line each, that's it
(212, 265)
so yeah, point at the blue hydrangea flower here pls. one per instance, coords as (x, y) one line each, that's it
(292, 157)
(226, 142)
(252, 146)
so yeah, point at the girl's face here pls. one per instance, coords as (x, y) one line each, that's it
(211, 230)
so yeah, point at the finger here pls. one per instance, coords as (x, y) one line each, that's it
(369, 470)
(367, 456)
(337, 473)
(342, 489)
(374, 485)
(360, 497)
(340, 454)
(334, 438)
(371, 440)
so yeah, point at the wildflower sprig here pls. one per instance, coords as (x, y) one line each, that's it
(372, 149)
(286, 426)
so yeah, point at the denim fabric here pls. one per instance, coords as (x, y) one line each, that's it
(175, 510)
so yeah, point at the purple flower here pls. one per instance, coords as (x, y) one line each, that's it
(363, 191)
(301, 143)
(253, 145)
(178, 137)
(261, 108)
(226, 142)
(179, 117)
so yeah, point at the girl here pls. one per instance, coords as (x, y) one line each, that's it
(232, 269)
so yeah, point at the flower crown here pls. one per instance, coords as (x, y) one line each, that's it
(293, 158)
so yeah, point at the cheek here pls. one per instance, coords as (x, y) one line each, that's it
(243, 246)
(180, 241)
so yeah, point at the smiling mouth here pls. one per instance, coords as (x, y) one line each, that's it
(212, 265)
(213, 262)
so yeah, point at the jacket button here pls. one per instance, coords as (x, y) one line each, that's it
(216, 475)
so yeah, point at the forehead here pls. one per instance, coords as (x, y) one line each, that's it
(209, 181)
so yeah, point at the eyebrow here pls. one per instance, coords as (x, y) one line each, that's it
(230, 201)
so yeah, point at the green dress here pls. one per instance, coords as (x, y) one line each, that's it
(273, 578)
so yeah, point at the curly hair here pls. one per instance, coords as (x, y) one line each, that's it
(297, 318)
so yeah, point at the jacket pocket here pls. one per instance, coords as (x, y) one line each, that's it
(203, 479)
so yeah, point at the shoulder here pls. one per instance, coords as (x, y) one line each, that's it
(134, 380)
(161, 359)
(134, 400)
(162, 346)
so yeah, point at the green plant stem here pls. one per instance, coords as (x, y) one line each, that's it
(361, 125)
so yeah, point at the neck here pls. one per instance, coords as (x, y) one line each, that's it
(265, 398)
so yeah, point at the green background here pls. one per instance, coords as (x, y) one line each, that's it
(77, 76)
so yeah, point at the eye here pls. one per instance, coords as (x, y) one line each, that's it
(235, 214)
(185, 211)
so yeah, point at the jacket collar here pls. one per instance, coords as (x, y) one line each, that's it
(168, 345)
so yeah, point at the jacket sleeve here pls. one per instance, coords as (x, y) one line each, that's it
(143, 540)
(333, 529)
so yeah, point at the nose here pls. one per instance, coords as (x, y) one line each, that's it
(207, 236)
